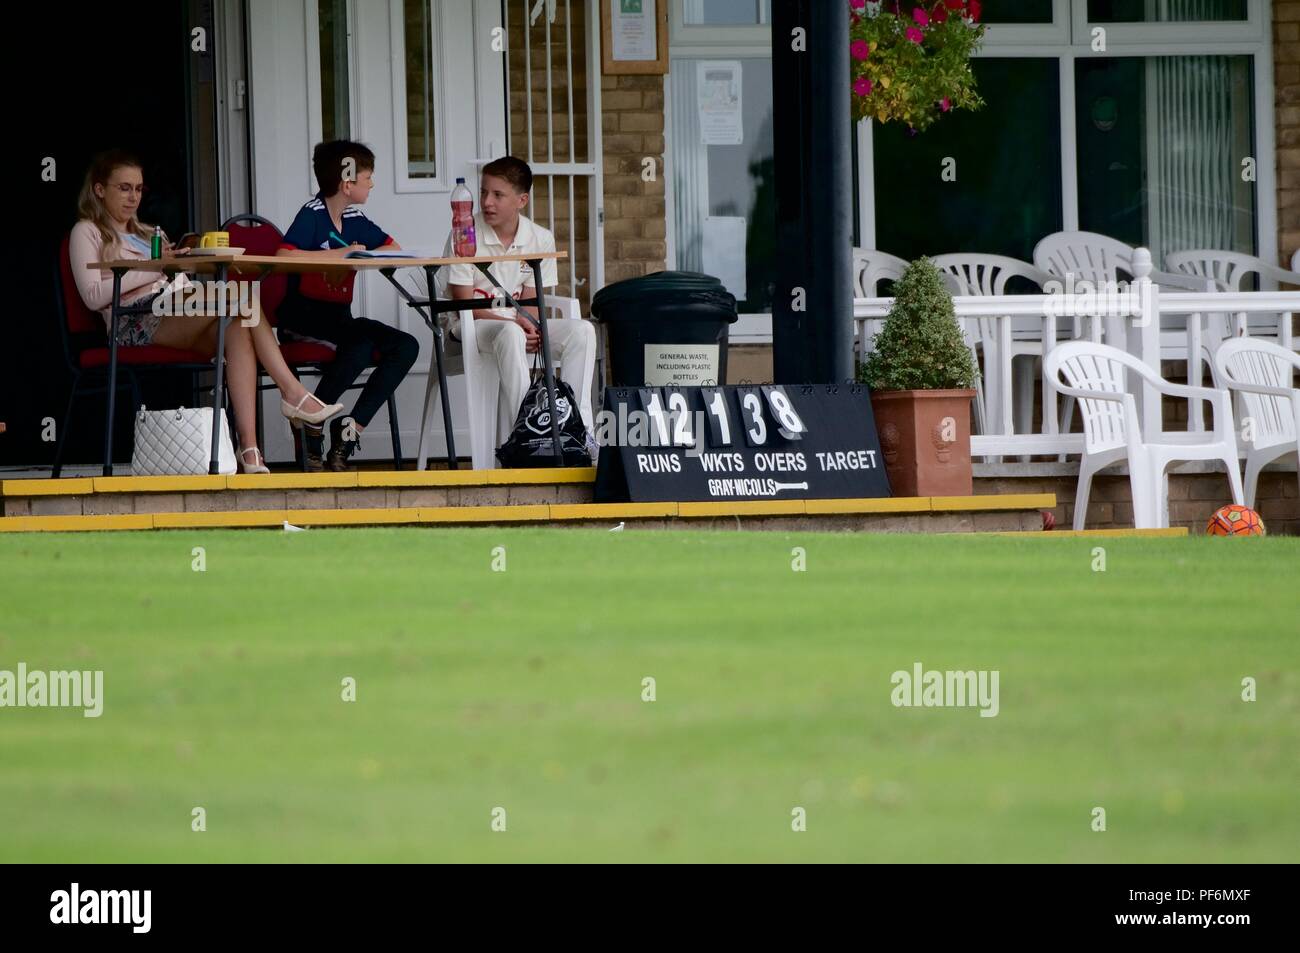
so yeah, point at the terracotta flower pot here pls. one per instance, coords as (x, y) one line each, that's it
(925, 438)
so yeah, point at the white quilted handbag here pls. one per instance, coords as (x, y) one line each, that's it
(176, 442)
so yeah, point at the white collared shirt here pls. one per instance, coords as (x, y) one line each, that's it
(514, 276)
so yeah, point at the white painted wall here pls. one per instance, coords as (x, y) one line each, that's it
(285, 105)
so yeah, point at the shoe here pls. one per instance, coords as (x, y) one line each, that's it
(295, 411)
(258, 465)
(340, 449)
(309, 447)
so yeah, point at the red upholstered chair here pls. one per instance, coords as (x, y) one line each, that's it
(88, 356)
(257, 236)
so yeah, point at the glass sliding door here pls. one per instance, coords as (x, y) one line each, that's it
(1161, 146)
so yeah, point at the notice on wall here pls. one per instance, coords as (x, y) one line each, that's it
(632, 29)
(723, 252)
(717, 95)
(681, 365)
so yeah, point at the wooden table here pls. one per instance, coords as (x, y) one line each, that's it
(427, 308)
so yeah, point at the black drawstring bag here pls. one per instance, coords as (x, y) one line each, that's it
(530, 443)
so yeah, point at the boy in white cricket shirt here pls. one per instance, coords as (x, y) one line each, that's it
(514, 338)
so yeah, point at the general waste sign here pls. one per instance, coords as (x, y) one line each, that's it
(680, 365)
(766, 442)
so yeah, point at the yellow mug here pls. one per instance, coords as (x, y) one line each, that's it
(215, 240)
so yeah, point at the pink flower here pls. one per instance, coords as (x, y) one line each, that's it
(862, 86)
(915, 35)
(860, 49)
(921, 17)
(945, 104)
(857, 4)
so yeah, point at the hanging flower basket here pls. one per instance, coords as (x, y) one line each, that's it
(910, 62)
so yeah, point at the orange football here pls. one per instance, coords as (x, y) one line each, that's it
(1235, 520)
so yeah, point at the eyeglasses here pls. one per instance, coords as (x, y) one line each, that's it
(126, 188)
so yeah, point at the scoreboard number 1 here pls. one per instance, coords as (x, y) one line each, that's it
(719, 422)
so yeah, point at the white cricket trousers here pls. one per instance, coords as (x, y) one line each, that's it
(573, 351)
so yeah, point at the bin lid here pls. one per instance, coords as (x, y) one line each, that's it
(624, 298)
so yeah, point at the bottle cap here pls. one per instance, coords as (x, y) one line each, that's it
(460, 181)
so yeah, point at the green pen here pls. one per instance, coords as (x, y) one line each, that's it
(339, 240)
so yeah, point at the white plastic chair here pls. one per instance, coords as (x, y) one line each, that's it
(1261, 374)
(482, 386)
(1001, 340)
(1094, 375)
(871, 267)
(1098, 258)
(1229, 271)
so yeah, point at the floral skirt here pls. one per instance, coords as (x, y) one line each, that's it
(137, 330)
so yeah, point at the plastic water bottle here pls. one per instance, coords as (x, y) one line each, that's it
(464, 244)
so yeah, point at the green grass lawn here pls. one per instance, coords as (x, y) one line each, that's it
(522, 689)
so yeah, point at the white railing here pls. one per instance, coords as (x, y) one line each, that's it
(1132, 321)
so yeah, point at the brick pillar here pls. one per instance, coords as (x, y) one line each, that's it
(632, 118)
(1286, 80)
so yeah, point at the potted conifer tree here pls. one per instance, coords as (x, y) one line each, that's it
(922, 375)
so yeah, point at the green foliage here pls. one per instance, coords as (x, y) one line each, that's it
(921, 345)
(910, 62)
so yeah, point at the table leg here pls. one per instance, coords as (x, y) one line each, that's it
(112, 372)
(430, 315)
(430, 271)
(218, 395)
(536, 266)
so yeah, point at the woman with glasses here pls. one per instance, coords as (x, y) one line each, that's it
(108, 229)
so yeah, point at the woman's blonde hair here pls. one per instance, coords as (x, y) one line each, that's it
(91, 207)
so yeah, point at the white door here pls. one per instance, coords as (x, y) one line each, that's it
(416, 80)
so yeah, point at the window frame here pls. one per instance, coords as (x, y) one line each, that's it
(315, 105)
(1255, 28)
(683, 34)
(1204, 38)
(403, 181)
(1066, 39)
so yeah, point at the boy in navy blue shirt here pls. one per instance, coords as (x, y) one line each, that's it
(319, 305)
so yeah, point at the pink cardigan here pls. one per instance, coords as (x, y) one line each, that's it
(84, 246)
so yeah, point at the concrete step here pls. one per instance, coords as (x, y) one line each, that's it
(467, 497)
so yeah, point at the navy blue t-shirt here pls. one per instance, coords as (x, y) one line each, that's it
(310, 231)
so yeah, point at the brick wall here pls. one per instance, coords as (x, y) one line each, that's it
(1192, 498)
(632, 123)
(1286, 79)
(635, 215)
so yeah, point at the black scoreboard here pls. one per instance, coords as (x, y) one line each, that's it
(762, 442)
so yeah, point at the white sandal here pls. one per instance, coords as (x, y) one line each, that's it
(295, 412)
(257, 466)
